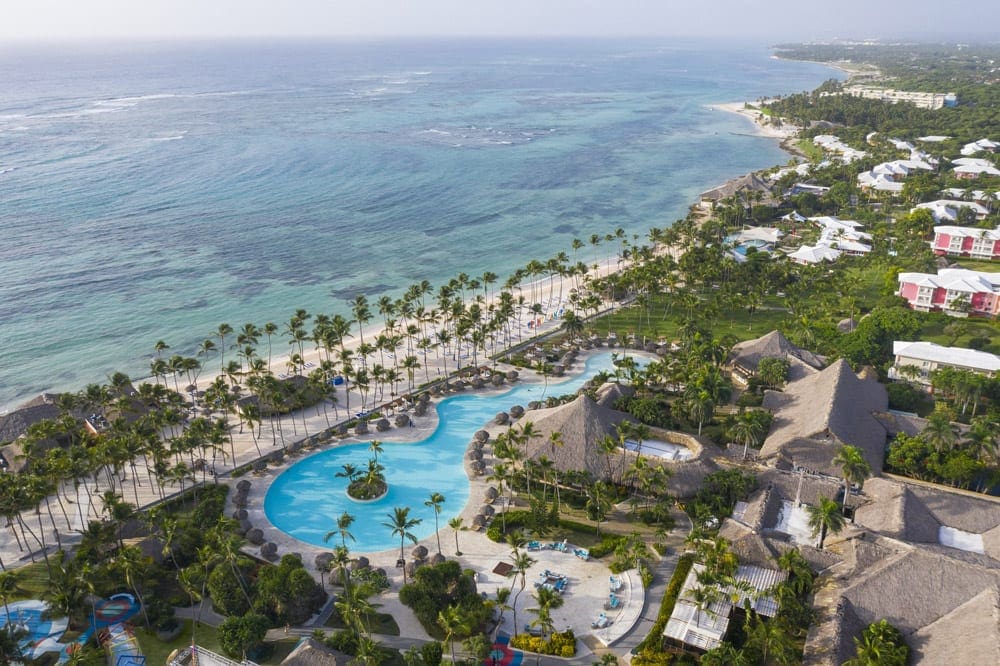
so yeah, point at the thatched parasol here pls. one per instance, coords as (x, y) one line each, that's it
(474, 454)
(478, 521)
(361, 428)
(360, 563)
(517, 411)
(497, 380)
(420, 552)
(533, 405)
(240, 514)
(482, 436)
(490, 494)
(487, 510)
(382, 425)
(478, 467)
(512, 375)
(438, 558)
(269, 550)
(411, 567)
(323, 561)
(502, 418)
(243, 485)
(402, 420)
(255, 536)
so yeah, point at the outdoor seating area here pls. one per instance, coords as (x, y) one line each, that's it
(601, 622)
(556, 582)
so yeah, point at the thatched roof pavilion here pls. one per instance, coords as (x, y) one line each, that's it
(746, 357)
(818, 414)
(582, 424)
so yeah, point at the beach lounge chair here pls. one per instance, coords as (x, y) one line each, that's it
(561, 584)
(615, 583)
(613, 602)
(601, 622)
(582, 553)
(534, 545)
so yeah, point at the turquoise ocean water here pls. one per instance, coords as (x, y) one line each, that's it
(153, 192)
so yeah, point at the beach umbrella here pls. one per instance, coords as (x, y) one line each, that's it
(240, 514)
(382, 425)
(420, 552)
(474, 454)
(533, 405)
(255, 536)
(512, 375)
(478, 467)
(360, 563)
(502, 418)
(490, 494)
(437, 558)
(478, 521)
(411, 567)
(497, 380)
(269, 550)
(482, 436)
(244, 485)
(361, 428)
(323, 561)
(517, 411)
(486, 510)
(402, 420)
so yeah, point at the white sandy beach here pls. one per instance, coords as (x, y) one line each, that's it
(762, 125)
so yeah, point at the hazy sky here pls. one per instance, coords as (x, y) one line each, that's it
(756, 19)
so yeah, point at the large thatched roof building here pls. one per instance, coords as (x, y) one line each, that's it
(927, 561)
(310, 652)
(818, 414)
(746, 357)
(582, 424)
(743, 187)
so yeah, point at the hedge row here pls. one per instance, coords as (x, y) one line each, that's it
(654, 639)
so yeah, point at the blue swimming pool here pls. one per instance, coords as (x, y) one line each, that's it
(306, 499)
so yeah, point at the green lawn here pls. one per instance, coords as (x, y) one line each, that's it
(382, 623)
(32, 581)
(812, 152)
(157, 651)
(737, 323)
(933, 330)
(977, 265)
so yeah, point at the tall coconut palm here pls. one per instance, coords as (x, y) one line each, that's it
(400, 523)
(854, 466)
(453, 621)
(824, 518)
(344, 522)
(457, 524)
(522, 562)
(435, 502)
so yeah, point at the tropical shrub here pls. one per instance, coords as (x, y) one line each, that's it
(286, 593)
(240, 637)
(434, 588)
(560, 644)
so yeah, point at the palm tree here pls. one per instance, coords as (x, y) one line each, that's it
(548, 601)
(825, 517)
(452, 620)
(400, 523)
(344, 523)
(939, 432)
(522, 562)
(856, 469)
(435, 502)
(747, 431)
(456, 524)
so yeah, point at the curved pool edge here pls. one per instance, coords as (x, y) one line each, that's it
(420, 433)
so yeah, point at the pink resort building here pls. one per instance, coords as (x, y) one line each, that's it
(955, 291)
(967, 242)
